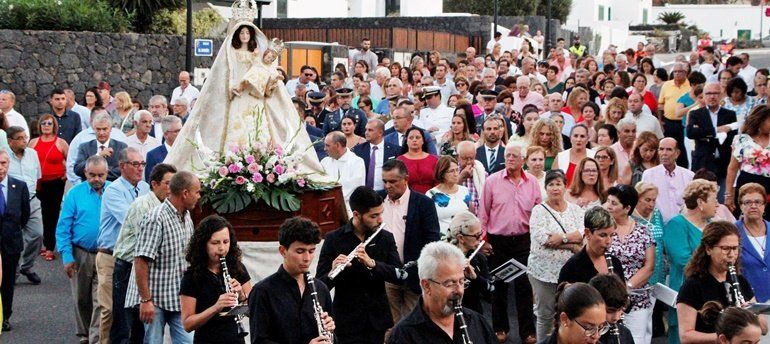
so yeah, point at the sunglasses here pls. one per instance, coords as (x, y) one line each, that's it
(309, 75)
(46, 123)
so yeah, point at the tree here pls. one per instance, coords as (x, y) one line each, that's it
(487, 7)
(671, 17)
(143, 10)
(559, 9)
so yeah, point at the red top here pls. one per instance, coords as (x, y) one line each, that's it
(420, 172)
(570, 173)
(51, 159)
(568, 111)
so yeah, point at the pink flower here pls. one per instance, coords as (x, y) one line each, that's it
(278, 169)
(254, 168)
(301, 182)
(278, 150)
(250, 159)
(271, 178)
(234, 149)
(240, 180)
(257, 178)
(222, 171)
(234, 168)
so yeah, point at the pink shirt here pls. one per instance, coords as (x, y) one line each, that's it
(670, 188)
(505, 206)
(394, 217)
(622, 156)
(532, 97)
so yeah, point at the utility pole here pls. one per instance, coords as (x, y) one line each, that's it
(495, 30)
(548, 43)
(188, 64)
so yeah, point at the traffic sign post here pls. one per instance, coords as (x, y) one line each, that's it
(204, 47)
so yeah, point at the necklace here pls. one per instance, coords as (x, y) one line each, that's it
(754, 238)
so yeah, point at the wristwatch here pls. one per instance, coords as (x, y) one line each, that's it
(564, 239)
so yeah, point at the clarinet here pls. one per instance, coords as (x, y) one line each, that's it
(735, 286)
(228, 289)
(458, 307)
(610, 268)
(333, 274)
(615, 332)
(317, 310)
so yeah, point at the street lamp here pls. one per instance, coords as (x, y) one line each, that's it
(189, 39)
(261, 3)
(547, 47)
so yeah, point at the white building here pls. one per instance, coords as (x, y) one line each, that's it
(610, 19)
(351, 8)
(721, 21)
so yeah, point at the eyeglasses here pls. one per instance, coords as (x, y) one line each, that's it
(137, 163)
(450, 284)
(461, 84)
(757, 203)
(593, 330)
(46, 123)
(728, 249)
(602, 157)
(477, 235)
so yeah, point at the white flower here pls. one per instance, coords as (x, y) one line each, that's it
(250, 187)
(58, 2)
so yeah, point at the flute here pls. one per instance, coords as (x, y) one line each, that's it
(476, 251)
(336, 271)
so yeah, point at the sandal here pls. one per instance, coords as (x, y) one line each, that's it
(49, 256)
(502, 336)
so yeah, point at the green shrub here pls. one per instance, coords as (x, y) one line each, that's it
(175, 22)
(63, 15)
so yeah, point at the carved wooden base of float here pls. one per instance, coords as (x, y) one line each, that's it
(260, 222)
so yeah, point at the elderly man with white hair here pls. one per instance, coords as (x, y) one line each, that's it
(159, 108)
(13, 117)
(381, 74)
(622, 64)
(624, 146)
(87, 135)
(472, 173)
(181, 108)
(185, 89)
(443, 278)
(506, 205)
(141, 140)
(523, 97)
(488, 78)
(102, 145)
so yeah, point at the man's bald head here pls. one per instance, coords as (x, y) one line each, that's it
(466, 154)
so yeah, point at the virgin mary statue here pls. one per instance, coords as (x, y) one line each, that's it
(243, 85)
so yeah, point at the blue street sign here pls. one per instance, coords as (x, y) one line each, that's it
(204, 47)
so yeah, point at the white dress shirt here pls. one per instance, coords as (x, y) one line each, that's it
(85, 136)
(440, 117)
(349, 171)
(190, 92)
(291, 86)
(646, 122)
(15, 119)
(149, 144)
(379, 155)
(85, 115)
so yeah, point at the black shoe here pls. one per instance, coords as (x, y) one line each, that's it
(6, 325)
(31, 277)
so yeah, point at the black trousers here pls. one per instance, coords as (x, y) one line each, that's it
(10, 264)
(675, 130)
(505, 248)
(50, 194)
(367, 335)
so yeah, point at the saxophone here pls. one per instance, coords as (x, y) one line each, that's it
(317, 310)
(735, 287)
(228, 289)
(458, 307)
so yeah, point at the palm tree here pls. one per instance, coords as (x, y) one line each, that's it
(671, 17)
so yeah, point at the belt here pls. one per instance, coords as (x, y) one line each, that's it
(85, 249)
(104, 250)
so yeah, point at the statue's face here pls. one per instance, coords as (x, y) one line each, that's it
(244, 35)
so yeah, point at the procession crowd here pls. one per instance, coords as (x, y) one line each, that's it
(612, 174)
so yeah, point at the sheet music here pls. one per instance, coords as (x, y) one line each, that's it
(664, 294)
(509, 270)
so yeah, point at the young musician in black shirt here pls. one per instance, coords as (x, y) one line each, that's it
(436, 318)
(203, 293)
(615, 295)
(360, 304)
(281, 306)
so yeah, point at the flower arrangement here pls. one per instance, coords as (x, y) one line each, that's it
(756, 160)
(263, 170)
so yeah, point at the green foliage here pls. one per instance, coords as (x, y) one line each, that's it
(671, 17)
(144, 10)
(174, 22)
(487, 7)
(559, 9)
(63, 15)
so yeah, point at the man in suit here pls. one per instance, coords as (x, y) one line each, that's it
(159, 109)
(488, 103)
(403, 120)
(171, 127)
(316, 134)
(360, 302)
(377, 149)
(411, 218)
(84, 136)
(103, 146)
(492, 153)
(14, 214)
(703, 127)
(333, 121)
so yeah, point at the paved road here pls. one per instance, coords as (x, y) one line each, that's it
(43, 313)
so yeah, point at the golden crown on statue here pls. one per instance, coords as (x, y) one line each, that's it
(244, 10)
(276, 44)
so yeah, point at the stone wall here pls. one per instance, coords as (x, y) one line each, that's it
(33, 63)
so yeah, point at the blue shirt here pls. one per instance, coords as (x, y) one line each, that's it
(79, 221)
(115, 202)
(69, 125)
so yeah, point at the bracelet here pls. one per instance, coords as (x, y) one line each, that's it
(149, 299)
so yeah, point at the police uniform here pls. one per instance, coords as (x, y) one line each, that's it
(333, 120)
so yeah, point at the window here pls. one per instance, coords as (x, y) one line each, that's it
(601, 12)
(644, 16)
(609, 13)
(282, 8)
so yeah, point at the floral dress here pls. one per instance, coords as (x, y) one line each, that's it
(655, 225)
(741, 111)
(545, 263)
(447, 205)
(631, 252)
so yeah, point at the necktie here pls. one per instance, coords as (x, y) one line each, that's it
(101, 148)
(491, 155)
(136, 192)
(2, 200)
(372, 166)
